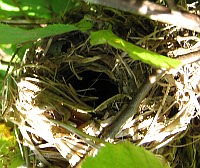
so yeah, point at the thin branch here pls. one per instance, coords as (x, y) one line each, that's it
(154, 12)
(132, 108)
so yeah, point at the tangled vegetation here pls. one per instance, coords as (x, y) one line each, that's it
(82, 74)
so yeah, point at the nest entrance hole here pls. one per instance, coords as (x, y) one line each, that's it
(95, 87)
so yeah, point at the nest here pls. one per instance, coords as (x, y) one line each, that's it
(69, 92)
(76, 84)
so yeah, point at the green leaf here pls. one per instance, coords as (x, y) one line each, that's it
(9, 152)
(30, 8)
(135, 52)
(122, 155)
(60, 7)
(16, 35)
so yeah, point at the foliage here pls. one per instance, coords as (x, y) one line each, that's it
(60, 7)
(119, 155)
(40, 9)
(9, 151)
(20, 35)
(123, 155)
(100, 37)
(135, 52)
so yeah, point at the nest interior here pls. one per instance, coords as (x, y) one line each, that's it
(65, 80)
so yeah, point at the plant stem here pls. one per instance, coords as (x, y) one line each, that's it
(87, 138)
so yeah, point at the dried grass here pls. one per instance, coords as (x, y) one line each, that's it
(167, 118)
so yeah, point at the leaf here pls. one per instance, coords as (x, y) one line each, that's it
(36, 8)
(135, 52)
(16, 35)
(9, 152)
(60, 7)
(124, 155)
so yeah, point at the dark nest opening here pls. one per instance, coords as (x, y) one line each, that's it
(96, 85)
(65, 80)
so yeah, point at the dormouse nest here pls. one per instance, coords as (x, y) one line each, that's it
(71, 82)
(68, 92)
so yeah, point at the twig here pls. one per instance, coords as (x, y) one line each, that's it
(131, 110)
(190, 57)
(154, 12)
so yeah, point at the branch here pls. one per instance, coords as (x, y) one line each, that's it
(154, 12)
